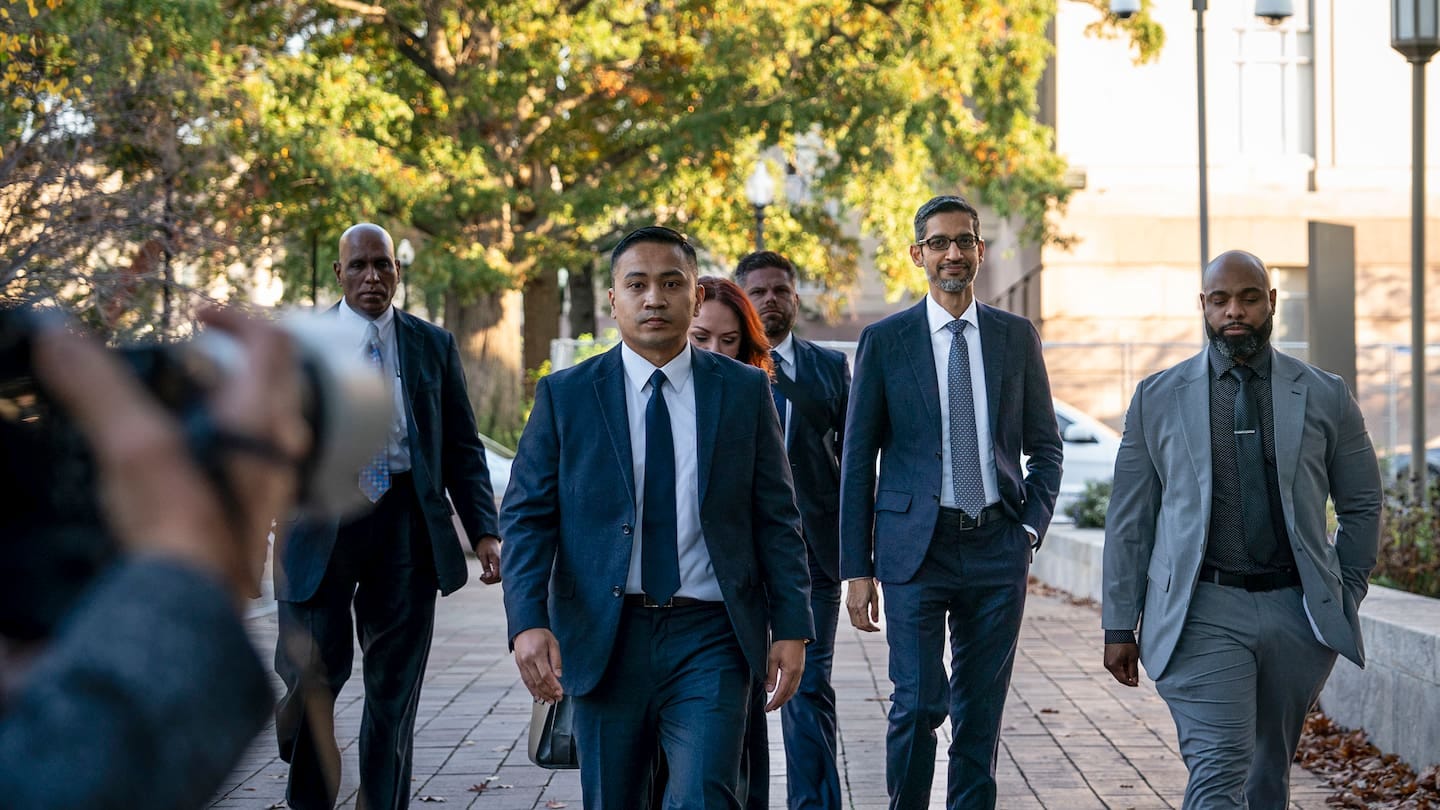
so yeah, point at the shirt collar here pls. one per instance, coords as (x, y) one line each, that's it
(383, 323)
(1220, 364)
(939, 317)
(638, 370)
(786, 349)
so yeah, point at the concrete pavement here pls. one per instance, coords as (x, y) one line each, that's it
(1072, 739)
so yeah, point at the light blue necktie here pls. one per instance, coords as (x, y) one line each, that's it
(375, 476)
(969, 487)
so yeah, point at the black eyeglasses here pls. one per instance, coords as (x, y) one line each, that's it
(940, 244)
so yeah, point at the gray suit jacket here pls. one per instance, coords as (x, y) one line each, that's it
(1159, 515)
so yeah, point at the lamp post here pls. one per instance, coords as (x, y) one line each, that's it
(1415, 33)
(1273, 12)
(404, 256)
(760, 190)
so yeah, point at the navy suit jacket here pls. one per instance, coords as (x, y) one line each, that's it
(445, 453)
(885, 529)
(569, 513)
(824, 374)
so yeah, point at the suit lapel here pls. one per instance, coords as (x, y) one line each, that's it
(1192, 400)
(994, 340)
(610, 385)
(409, 354)
(709, 399)
(915, 337)
(1288, 395)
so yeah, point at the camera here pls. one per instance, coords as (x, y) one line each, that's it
(1124, 9)
(52, 533)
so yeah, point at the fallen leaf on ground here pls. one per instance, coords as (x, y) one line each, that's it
(434, 799)
(554, 804)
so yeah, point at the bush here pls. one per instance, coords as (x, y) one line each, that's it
(1409, 557)
(1088, 511)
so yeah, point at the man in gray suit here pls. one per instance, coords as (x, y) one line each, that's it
(1216, 544)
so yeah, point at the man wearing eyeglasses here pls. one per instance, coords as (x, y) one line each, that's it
(949, 394)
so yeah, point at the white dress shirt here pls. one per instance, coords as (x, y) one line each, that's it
(940, 340)
(398, 442)
(697, 574)
(786, 350)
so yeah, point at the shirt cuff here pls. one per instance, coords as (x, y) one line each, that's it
(1034, 535)
(1119, 636)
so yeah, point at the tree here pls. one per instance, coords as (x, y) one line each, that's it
(516, 138)
(113, 179)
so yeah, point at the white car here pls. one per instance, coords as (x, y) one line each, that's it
(498, 458)
(1090, 448)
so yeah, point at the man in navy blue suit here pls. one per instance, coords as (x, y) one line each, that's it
(949, 393)
(386, 564)
(653, 545)
(811, 387)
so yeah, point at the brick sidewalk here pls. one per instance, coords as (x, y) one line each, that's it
(1072, 739)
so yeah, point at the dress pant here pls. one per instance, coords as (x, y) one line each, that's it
(976, 579)
(384, 568)
(1245, 673)
(812, 775)
(676, 677)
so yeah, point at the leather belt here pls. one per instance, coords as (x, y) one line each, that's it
(951, 517)
(644, 601)
(1272, 581)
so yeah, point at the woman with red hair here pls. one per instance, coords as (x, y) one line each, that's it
(728, 324)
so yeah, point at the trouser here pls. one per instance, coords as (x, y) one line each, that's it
(677, 678)
(1243, 676)
(976, 579)
(383, 570)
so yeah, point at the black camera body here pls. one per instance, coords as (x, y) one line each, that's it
(53, 537)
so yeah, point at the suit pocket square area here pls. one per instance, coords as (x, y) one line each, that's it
(552, 735)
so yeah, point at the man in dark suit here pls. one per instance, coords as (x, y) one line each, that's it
(667, 573)
(949, 393)
(387, 563)
(1216, 543)
(811, 387)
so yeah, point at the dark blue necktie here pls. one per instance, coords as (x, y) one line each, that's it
(1250, 458)
(969, 487)
(659, 552)
(775, 389)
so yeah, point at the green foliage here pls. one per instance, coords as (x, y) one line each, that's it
(1409, 557)
(1088, 511)
(512, 136)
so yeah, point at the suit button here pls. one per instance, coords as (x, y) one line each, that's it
(938, 454)
(617, 591)
(936, 497)
(626, 530)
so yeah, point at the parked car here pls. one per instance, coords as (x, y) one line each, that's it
(498, 458)
(1398, 464)
(1090, 449)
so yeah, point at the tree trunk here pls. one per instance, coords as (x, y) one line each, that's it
(488, 331)
(582, 301)
(542, 319)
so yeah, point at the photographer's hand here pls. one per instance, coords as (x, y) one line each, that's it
(155, 498)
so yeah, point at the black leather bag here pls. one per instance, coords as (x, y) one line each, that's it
(552, 735)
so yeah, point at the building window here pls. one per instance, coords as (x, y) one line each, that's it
(1275, 71)
(1292, 304)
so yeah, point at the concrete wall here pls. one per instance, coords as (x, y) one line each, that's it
(1396, 698)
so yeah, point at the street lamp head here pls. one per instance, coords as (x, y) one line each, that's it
(405, 253)
(1274, 11)
(1415, 28)
(1124, 9)
(760, 188)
